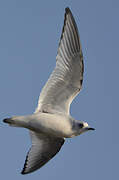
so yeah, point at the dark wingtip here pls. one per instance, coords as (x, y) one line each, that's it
(23, 172)
(24, 168)
(67, 10)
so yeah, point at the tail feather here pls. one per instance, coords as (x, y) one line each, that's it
(8, 120)
(11, 122)
(17, 121)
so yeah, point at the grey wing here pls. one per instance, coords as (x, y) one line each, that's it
(43, 149)
(66, 80)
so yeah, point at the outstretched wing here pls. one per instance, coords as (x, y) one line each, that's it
(66, 80)
(43, 149)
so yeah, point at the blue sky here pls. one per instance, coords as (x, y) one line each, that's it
(29, 37)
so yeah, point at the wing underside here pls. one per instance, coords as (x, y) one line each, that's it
(43, 149)
(66, 80)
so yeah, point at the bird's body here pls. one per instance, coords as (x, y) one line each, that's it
(51, 122)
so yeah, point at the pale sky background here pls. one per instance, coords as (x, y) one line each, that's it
(29, 35)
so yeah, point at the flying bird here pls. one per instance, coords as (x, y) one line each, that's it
(51, 123)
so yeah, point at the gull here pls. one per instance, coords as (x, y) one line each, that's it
(51, 123)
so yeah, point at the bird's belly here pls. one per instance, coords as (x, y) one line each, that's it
(52, 124)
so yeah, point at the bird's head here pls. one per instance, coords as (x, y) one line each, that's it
(81, 127)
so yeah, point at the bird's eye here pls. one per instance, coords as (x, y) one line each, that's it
(80, 125)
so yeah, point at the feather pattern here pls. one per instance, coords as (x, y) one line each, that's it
(43, 149)
(65, 82)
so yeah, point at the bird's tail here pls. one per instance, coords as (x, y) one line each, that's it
(11, 122)
(16, 121)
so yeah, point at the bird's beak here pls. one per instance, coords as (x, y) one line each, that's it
(89, 128)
